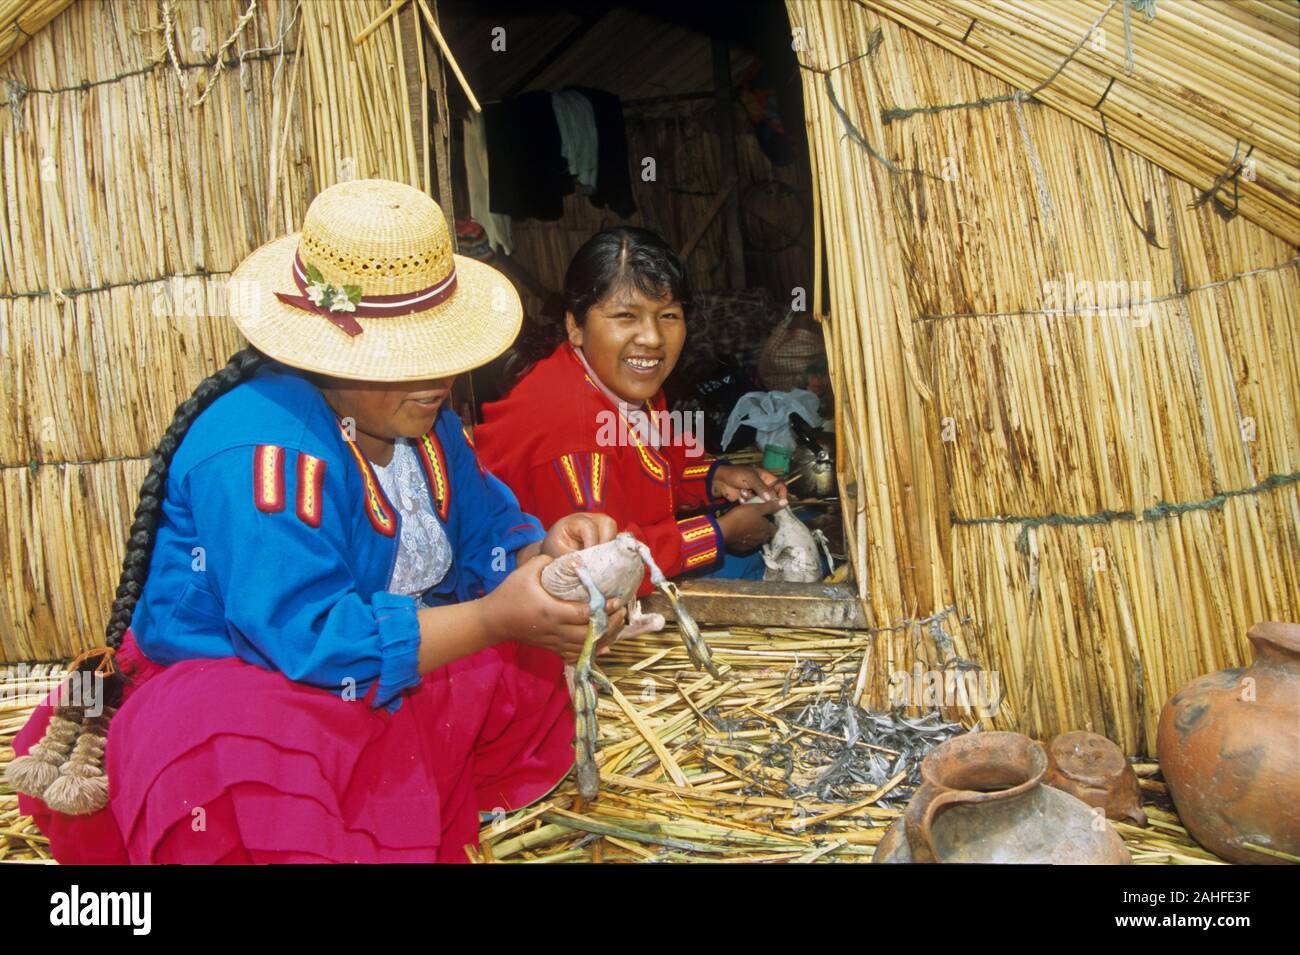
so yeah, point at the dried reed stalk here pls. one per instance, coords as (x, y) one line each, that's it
(1057, 413)
(1207, 76)
(723, 813)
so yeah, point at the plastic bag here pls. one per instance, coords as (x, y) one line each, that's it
(768, 413)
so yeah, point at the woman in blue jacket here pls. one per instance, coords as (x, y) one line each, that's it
(330, 642)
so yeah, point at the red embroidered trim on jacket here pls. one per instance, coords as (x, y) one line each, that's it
(653, 463)
(566, 466)
(435, 468)
(377, 509)
(699, 542)
(582, 474)
(268, 478)
(597, 470)
(311, 482)
(697, 472)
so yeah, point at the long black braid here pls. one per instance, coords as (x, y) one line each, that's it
(66, 768)
(144, 529)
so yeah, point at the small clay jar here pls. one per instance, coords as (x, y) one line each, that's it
(1091, 768)
(983, 799)
(1229, 747)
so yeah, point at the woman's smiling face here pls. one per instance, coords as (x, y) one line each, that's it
(631, 341)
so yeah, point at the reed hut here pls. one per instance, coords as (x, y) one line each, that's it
(149, 146)
(1052, 249)
(1060, 250)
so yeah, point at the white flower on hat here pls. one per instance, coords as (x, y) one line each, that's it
(317, 292)
(344, 303)
(324, 295)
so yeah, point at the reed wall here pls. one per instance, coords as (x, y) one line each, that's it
(126, 206)
(1094, 502)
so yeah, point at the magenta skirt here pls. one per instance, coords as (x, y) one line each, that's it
(220, 761)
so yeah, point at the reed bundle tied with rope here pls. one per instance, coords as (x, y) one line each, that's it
(145, 149)
(21, 19)
(1070, 388)
(1193, 86)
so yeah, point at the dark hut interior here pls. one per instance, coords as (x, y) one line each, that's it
(717, 163)
(748, 238)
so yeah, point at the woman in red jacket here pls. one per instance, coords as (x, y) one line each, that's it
(586, 427)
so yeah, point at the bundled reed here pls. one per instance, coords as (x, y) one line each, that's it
(1209, 82)
(137, 173)
(1070, 391)
(21, 19)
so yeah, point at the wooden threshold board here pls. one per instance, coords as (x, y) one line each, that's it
(758, 603)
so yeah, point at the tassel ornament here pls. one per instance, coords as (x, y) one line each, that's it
(66, 768)
(33, 773)
(82, 786)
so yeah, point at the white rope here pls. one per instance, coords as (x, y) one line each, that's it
(1044, 197)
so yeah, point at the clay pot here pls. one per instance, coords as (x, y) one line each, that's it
(983, 799)
(1093, 769)
(1229, 747)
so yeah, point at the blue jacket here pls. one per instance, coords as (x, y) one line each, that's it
(276, 542)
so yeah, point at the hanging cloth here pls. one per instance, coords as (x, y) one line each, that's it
(613, 181)
(578, 143)
(529, 178)
(496, 226)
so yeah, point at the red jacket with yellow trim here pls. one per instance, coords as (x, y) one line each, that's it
(562, 445)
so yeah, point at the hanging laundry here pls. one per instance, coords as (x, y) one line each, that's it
(578, 145)
(529, 177)
(497, 227)
(613, 182)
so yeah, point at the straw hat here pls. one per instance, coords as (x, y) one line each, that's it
(370, 290)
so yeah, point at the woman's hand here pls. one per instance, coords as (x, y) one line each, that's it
(738, 483)
(521, 609)
(577, 532)
(746, 526)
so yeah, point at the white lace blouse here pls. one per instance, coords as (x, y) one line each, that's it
(423, 551)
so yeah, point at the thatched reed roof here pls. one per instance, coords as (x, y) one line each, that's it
(1199, 88)
(21, 19)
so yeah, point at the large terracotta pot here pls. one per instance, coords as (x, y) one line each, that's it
(1229, 747)
(983, 799)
